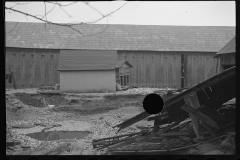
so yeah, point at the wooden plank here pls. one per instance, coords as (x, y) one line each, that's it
(140, 69)
(153, 70)
(170, 74)
(157, 70)
(27, 69)
(200, 116)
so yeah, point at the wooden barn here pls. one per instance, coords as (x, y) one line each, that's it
(161, 56)
(226, 55)
(87, 71)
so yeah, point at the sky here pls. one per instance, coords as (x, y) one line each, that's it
(183, 13)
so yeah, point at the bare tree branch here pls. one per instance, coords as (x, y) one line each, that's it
(94, 8)
(59, 4)
(65, 11)
(45, 14)
(99, 32)
(105, 15)
(58, 24)
(70, 25)
(20, 3)
(13, 28)
(26, 17)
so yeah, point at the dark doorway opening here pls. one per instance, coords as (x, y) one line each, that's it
(182, 70)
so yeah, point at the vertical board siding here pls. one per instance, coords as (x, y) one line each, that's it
(200, 66)
(153, 69)
(32, 67)
(227, 59)
(150, 68)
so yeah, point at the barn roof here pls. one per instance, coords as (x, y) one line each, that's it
(230, 47)
(120, 63)
(87, 60)
(118, 37)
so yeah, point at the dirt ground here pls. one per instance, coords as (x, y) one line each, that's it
(96, 113)
(28, 112)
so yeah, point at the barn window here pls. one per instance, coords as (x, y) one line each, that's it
(125, 80)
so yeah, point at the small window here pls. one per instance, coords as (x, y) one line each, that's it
(125, 80)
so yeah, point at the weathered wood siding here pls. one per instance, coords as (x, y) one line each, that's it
(36, 67)
(153, 69)
(199, 67)
(227, 59)
(33, 67)
(161, 69)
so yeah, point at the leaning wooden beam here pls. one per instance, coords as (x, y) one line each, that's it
(131, 140)
(172, 103)
(200, 116)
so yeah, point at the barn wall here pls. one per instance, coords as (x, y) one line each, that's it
(163, 69)
(33, 67)
(36, 67)
(199, 67)
(87, 81)
(153, 69)
(227, 59)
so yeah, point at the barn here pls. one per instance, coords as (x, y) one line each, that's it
(226, 55)
(87, 71)
(162, 56)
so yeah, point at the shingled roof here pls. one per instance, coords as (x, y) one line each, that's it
(118, 37)
(120, 63)
(87, 60)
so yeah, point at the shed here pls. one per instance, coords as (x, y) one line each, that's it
(87, 71)
(123, 73)
(226, 55)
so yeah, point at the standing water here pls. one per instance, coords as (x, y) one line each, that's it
(56, 135)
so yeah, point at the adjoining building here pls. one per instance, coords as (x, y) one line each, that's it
(226, 55)
(87, 71)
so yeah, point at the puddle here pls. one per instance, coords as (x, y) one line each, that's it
(56, 135)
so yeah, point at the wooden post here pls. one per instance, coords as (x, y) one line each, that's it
(190, 134)
(156, 125)
(192, 100)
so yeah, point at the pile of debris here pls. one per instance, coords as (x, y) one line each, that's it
(56, 87)
(145, 91)
(173, 132)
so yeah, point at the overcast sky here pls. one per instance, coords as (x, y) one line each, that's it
(190, 13)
